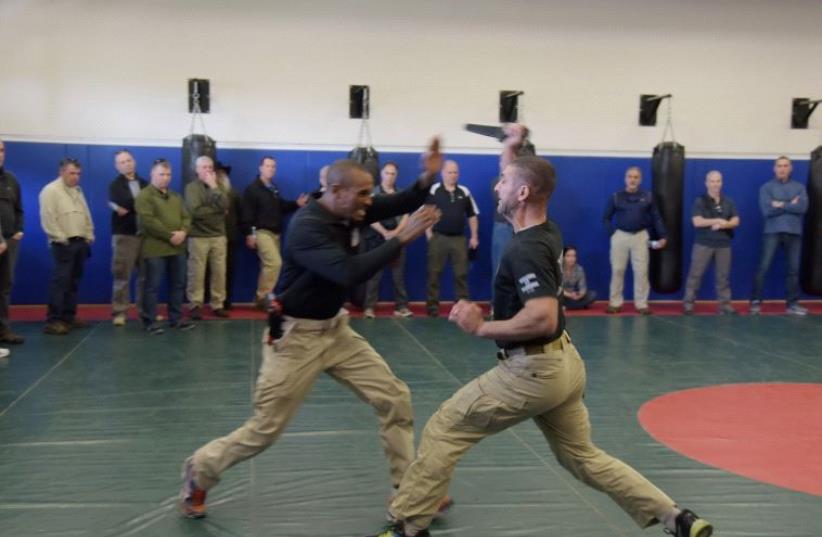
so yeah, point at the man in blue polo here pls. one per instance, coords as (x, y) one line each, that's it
(629, 214)
(783, 202)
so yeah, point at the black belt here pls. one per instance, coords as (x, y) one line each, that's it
(535, 348)
(76, 238)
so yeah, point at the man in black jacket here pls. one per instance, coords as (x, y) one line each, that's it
(125, 243)
(322, 264)
(262, 221)
(11, 224)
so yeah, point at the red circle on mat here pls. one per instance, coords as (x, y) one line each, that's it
(766, 432)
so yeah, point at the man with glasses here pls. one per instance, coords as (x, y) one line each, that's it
(65, 218)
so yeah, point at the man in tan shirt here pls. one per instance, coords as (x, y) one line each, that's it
(65, 218)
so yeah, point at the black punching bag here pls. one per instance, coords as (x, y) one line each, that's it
(195, 146)
(811, 274)
(369, 158)
(667, 179)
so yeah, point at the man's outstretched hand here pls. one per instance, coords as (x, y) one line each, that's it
(431, 162)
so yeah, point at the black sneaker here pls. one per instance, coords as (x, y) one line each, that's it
(396, 530)
(196, 313)
(688, 524)
(182, 325)
(155, 329)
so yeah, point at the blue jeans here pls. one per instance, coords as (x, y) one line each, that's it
(69, 260)
(792, 244)
(155, 268)
(501, 235)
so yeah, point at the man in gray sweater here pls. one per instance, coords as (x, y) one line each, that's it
(783, 202)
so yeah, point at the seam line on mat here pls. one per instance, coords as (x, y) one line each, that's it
(740, 344)
(47, 373)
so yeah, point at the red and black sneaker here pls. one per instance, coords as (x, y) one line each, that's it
(192, 498)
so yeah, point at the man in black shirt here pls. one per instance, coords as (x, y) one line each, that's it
(125, 244)
(714, 216)
(321, 265)
(262, 221)
(446, 240)
(11, 226)
(540, 375)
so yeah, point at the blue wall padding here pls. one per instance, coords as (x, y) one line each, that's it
(577, 205)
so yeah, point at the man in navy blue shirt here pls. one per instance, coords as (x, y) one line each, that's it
(714, 217)
(783, 202)
(629, 214)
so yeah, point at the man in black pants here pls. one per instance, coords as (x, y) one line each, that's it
(446, 240)
(65, 218)
(11, 223)
(321, 266)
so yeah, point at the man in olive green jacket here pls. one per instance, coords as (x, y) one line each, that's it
(164, 224)
(207, 202)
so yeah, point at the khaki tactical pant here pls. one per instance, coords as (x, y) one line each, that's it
(202, 251)
(635, 246)
(125, 258)
(547, 388)
(288, 371)
(268, 250)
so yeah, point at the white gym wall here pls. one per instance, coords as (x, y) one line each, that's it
(115, 72)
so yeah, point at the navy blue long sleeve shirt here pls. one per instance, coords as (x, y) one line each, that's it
(633, 212)
(321, 263)
(786, 219)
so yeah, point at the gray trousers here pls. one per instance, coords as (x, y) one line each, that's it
(700, 259)
(441, 248)
(397, 268)
(125, 258)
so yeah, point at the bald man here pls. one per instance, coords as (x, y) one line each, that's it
(714, 217)
(321, 264)
(446, 240)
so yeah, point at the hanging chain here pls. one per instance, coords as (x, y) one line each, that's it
(365, 133)
(197, 113)
(669, 125)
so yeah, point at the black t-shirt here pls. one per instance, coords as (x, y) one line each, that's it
(707, 207)
(531, 267)
(456, 207)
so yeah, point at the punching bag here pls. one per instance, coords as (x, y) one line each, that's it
(195, 146)
(667, 179)
(369, 158)
(811, 274)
